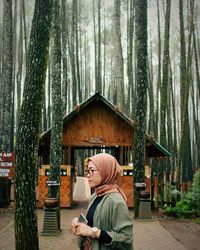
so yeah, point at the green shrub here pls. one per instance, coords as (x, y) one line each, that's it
(172, 194)
(196, 191)
(189, 206)
(175, 196)
(183, 208)
(171, 211)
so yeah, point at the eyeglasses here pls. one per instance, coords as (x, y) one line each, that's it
(90, 171)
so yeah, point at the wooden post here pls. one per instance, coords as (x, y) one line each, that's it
(148, 178)
(121, 155)
(69, 155)
(156, 191)
(128, 154)
(165, 187)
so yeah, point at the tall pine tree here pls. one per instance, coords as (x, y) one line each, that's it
(141, 103)
(27, 141)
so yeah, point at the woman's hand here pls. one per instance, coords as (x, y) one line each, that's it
(75, 224)
(83, 230)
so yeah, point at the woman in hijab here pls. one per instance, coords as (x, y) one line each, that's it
(109, 225)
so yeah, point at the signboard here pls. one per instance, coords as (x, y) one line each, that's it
(4, 172)
(7, 164)
(140, 185)
(53, 183)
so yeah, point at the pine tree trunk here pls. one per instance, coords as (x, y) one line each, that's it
(130, 29)
(72, 54)
(119, 61)
(159, 73)
(164, 84)
(13, 73)
(196, 139)
(24, 29)
(64, 56)
(95, 47)
(173, 149)
(7, 67)
(78, 77)
(164, 88)
(99, 78)
(196, 124)
(141, 82)
(20, 65)
(1, 83)
(185, 67)
(49, 95)
(44, 115)
(56, 130)
(151, 126)
(26, 231)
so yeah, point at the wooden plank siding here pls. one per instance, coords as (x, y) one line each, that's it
(97, 125)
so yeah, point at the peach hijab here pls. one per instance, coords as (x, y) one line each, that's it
(109, 170)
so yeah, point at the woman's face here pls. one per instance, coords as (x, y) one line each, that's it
(93, 175)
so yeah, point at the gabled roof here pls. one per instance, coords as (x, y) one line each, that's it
(99, 97)
(81, 106)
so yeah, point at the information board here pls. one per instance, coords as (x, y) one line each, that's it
(7, 164)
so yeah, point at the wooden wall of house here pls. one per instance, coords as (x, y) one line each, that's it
(97, 124)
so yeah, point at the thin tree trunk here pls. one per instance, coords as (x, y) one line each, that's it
(13, 73)
(159, 72)
(72, 54)
(95, 46)
(196, 124)
(196, 146)
(20, 65)
(119, 61)
(130, 29)
(185, 147)
(77, 54)
(44, 115)
(151, 127)
(64, 56)
(104, 58)
(99, 78)
(7, 67)
(25, 31)
(164, 85)
(174, 125)
(49, 95)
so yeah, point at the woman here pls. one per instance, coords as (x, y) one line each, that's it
(109, 224)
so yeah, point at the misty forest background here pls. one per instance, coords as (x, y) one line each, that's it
(143, 56)
(98, 53)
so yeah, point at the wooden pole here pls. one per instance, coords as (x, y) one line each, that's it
(156, 191)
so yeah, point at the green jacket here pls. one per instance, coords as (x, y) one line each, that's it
(112, 215)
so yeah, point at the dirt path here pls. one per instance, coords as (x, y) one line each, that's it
(186, 232)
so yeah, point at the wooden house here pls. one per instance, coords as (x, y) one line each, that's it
(98, 124)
